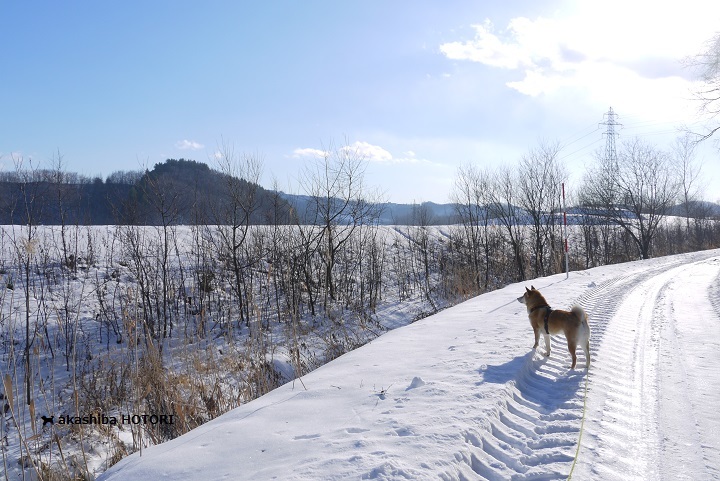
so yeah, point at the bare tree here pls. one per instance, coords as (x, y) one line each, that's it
(689, 175)
(540, 180)
(634, 191)
(471, 196)
(504, 197)
(31, 204)
(420, 247)
(165, 198)
(66, 199)
(708, 94)
(339, 203)
(233, 217)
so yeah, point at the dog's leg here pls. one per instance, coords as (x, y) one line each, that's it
(537, 337)
(547, 343)
(572, 346)
(586, 348)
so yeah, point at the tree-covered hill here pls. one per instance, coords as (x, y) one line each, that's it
(177, 191)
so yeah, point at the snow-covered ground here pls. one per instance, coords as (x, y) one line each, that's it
(461, 394)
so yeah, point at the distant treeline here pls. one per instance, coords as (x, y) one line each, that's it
(177, 191)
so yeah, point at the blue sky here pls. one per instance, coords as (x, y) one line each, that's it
(419, 87)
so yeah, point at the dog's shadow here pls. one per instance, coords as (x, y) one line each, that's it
(505, 372)
(536, 379)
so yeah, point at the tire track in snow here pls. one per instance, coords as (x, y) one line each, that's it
(621, 389)
(688, 359)
(534, 432)
(713, 291)
(622, 424)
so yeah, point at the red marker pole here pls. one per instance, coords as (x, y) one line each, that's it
(567, 262)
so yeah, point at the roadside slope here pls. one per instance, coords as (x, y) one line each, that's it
(460, 395)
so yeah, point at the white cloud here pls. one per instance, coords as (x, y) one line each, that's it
(524, 44)
(189, 145)
(309, 152)
(364, 150)
(410, 157)
(598, 50)
(372, 153)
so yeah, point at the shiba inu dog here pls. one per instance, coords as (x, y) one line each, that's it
(545, 320)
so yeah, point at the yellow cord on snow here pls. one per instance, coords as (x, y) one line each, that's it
(582, 425)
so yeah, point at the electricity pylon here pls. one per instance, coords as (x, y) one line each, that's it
(611, 122)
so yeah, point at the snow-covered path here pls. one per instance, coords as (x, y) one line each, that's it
(460, 395)
(654, 394)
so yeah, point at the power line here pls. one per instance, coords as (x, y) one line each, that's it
(656, 132)
(580, 138)
(580, 149)
(583, 133)
(647, 123)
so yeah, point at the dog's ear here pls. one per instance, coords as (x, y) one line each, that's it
(533, 288)
(527, 289)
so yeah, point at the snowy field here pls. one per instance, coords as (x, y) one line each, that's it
(461, 394)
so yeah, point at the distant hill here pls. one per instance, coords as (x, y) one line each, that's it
(45, 197)
(391, 213)
(697, 209)
(175, 191)
(189, 192)
(428, 213)
(180, 191)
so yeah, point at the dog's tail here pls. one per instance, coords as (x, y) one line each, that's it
(584, 332)
(581, 315)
